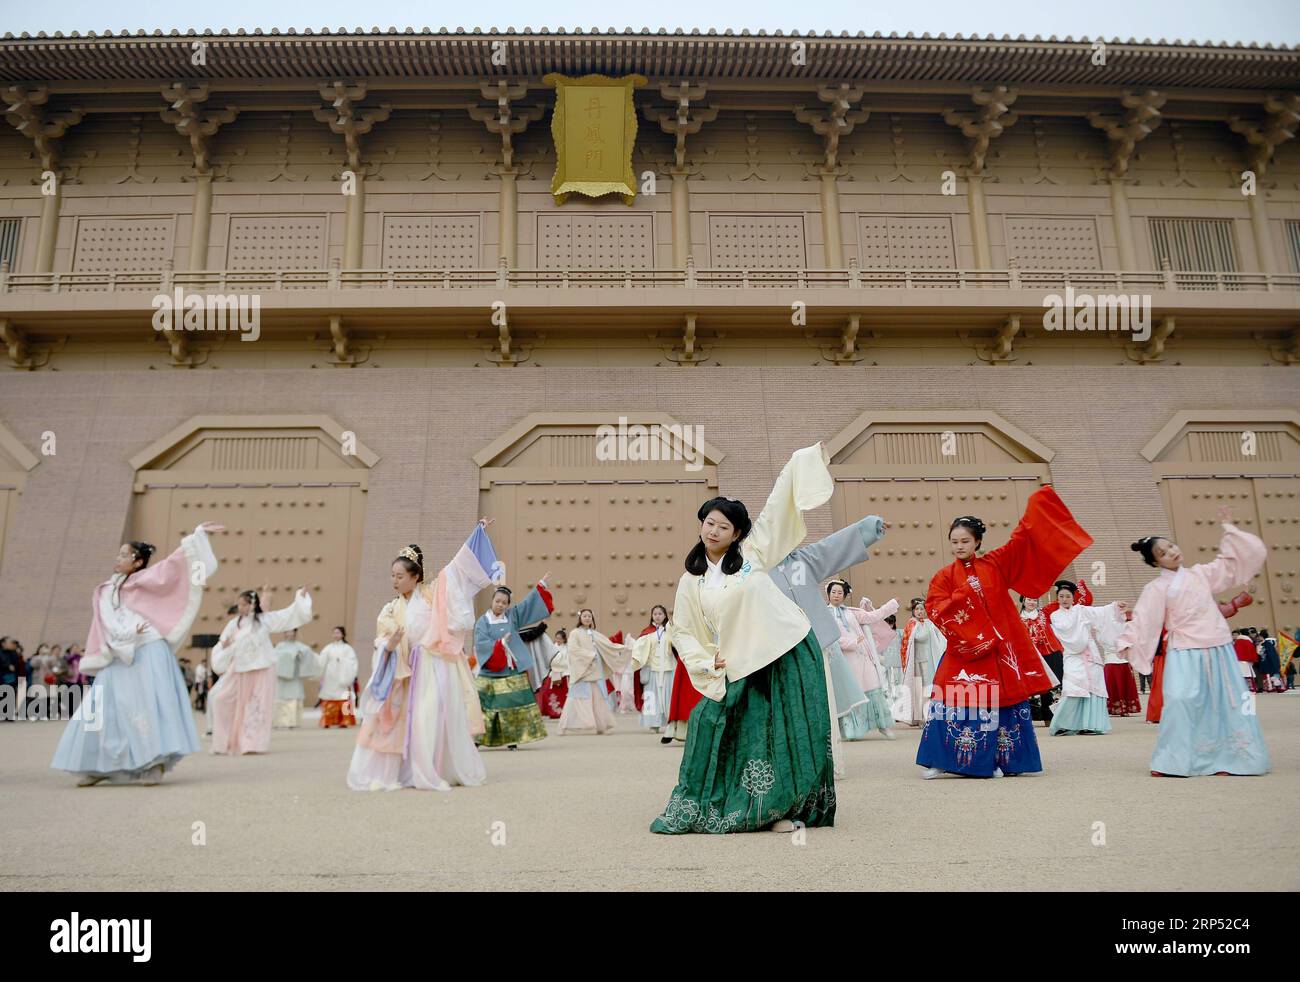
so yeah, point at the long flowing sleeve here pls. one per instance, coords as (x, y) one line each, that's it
(888, 609)
(804, 483)
(483, 641)
(453, 591)
(287, 618)
(560, 663)
(1142, 634)
(687, 633)
(838, 551)
(533, 608)
(1046, 540)
(1241, 557)
(223, 652)
(1107, 622)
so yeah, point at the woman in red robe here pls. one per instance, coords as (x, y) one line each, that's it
(979, 722)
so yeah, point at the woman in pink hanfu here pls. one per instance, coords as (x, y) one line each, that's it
(136, 721)
(1208, 723)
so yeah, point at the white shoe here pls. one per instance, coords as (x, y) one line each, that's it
(152, 776)
(90, 780)
(781, 825)
(997, 772)
(930, 773)
(888, 734)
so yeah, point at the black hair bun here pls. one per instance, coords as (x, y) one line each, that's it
(1136, 546)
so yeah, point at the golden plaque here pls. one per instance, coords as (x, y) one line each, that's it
(594, 128)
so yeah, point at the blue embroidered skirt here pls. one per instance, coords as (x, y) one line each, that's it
(974, 741)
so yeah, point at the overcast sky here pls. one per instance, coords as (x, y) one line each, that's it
(1265, 21)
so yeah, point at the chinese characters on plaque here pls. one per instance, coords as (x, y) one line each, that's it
(594, 128)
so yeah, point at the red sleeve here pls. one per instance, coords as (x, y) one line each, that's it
(1085, 595)
(547, 599)
(498, 661)
(948, 592)
(1046, 541)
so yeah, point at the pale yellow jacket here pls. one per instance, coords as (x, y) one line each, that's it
(757, 622)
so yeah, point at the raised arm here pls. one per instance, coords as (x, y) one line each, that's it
(847, 547)
(804, 483)
(296, 614)
(1046, 540)
(1241, 557)
(865, 616)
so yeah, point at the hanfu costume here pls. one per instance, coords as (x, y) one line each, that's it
(799, 577)
(685, 697)
(338, 670)
(1207, 722)
(656, 660)
(243, 700)
(980, 721)
(758, 749)
(864, 661)
(920, 650)
(294, 661)
(419, 710)
(541, 649)
(1155, 701)
(1083, 689)
(510, 712)
(553, 694)
(1121, 688)
(589, 659)
(1048, 646)
(1247, 658)
(137, 714)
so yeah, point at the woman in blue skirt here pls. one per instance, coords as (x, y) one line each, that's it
(135, 722)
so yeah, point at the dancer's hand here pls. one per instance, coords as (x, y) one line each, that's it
(395, 639)
(212, 527)
(544, 577)
(1122, 606)
(485, 521)
(1225, 515)
(718, 663)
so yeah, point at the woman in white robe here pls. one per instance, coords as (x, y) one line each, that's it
(1083, 689)
(338, 670)
(653, 657)
(587, 660)
(921, 649)
(243, 700)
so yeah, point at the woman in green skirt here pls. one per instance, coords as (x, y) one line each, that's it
(758, 748)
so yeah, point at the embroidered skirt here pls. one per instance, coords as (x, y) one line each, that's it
(336, 712)
(761, 754)
(975, 742)
(1122, 691)
(510, 711)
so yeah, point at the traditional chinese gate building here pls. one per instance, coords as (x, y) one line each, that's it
(798, 238)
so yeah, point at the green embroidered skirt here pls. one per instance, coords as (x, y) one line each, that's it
(761, 754)
(510, 711)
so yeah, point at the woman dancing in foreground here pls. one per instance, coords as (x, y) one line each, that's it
(758, 750)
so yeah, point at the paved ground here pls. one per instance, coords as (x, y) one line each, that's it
(576, 811)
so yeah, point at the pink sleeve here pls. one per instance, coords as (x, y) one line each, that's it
(879, 614)
(1141, 635)
(1241, 557)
